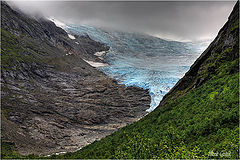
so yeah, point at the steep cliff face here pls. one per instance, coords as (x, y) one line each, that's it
(51, 99)
(198, 118)
(41, 30)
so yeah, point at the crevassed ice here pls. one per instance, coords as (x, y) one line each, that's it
(142, 60)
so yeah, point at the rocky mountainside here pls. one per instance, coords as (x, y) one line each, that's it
(198, 118)
(51, 99)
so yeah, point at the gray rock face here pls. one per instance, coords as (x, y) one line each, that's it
(41, 29)
(56, 103)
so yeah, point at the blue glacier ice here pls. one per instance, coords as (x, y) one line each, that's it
(144, 61)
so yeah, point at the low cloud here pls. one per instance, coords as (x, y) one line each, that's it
(172, 20)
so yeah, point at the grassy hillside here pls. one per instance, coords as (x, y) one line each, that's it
(199, 118)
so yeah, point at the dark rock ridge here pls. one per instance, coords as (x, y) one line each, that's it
(52, 100)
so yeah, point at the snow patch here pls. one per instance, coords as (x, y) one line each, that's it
(60, 153)
(76, 42)
(57, 22)
(96, 64)
(69, 53)
(99, 54)
(61, 25)
(71, 36)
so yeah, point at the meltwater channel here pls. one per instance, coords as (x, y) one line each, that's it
(144, 61)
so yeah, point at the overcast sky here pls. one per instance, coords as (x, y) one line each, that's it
(181, 21)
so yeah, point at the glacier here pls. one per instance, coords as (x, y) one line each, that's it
(141, 60)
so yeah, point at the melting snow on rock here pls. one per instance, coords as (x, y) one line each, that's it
(96, 64)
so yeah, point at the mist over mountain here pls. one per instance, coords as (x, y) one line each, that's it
(182, 21)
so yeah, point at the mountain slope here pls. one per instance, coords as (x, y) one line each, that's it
(198, 118)
(51, 99)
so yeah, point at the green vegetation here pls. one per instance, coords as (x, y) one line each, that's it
(235, 25)
(10, 51)
(14, 51)
(8, 150)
